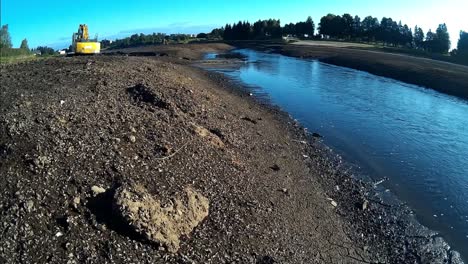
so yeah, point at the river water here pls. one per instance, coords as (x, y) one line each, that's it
(416, 137)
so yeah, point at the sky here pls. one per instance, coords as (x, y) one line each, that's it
(52, 22)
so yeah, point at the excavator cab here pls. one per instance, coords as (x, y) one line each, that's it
(81, 44)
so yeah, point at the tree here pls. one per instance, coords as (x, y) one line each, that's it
(24, 44)
(332, 25)
(309, 27)
(202, 35)
(429, 42)
(5, 38)
(216, 33)
(45, 50)
(357, 27)
(289, 29)
(369, 27)
(418, 37)
(348, 26)
(442, 39)
(439, 41)
(462, 46)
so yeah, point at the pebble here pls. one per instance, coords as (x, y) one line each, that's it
(132, 138)
(335, 204)
(58, 234)
(76, 201)
(97, 190)
(29, 205)
(365, 204)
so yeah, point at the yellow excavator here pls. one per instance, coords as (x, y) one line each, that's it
(81, 44)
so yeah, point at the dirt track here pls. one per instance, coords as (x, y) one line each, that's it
(275, 195)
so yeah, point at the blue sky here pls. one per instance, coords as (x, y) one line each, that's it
(53, 22)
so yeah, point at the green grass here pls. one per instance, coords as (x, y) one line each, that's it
(17, 58)
(9, 55)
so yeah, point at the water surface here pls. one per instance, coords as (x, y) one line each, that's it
(416, 137)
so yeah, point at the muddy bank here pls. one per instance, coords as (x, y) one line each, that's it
(186, 52)
(85, 141)
(95, 151)
(442, 76)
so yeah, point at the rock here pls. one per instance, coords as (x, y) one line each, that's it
(161, 224)
(132, 138)
(76, 201)
(455, 257)
(58, 234)
(97, 190)
(41, 162)
(335, 204)
(365, 204)
(211, 137)
(29, 205)
(317, 135)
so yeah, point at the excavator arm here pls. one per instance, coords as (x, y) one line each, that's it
(83, 31)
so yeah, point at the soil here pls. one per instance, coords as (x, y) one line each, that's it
(442, 76)
(75, 131)
(187, 52)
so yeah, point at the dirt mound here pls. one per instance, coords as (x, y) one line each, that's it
(159, 221)
(142, 96)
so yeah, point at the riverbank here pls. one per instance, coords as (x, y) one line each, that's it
(184, 52)
(442, 76)
(75, 132)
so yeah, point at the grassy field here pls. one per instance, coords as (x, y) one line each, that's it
(381, 48)
(9, 55)
(16, 59)
(336, 44)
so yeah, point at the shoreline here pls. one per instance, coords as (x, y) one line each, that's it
(268, 202)
(389, 232)
(444, 77)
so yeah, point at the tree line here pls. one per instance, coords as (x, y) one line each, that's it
(265, 29)
(147, 39)
(7, 49)
(386, 31)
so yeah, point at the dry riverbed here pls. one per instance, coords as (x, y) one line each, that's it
(128, 159)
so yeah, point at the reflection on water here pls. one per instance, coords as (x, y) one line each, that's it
(416, 137)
